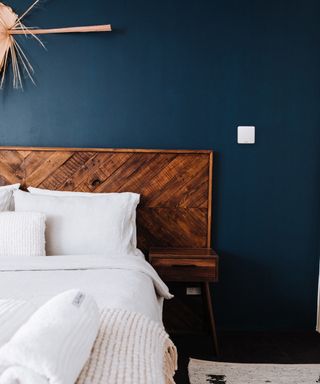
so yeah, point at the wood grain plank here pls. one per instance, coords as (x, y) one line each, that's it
(10, 169)
(82, 179)
(54, 161)
(33, 161)
(178, 182)
(172, 227)
(67, 170)
(14, 159)
(130, 170)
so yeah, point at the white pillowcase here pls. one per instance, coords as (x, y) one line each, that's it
(22, 234)
(10, 187)
(49, 192)
(77, 225)
(6, 197)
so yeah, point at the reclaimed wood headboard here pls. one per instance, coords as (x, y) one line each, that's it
(175, 185)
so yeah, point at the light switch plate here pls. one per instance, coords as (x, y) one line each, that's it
(246, 135)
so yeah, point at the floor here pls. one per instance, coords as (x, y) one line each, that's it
(298, 348)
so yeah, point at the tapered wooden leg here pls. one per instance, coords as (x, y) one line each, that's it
(212, 323)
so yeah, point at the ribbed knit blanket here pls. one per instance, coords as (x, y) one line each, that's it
(130, 349)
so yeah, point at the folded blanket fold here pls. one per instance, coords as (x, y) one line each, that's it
(13, 313)
(17, 375)
(54, 344)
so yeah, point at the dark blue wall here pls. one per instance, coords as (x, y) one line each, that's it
(184, 74)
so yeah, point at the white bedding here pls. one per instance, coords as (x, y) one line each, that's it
(53, 345)
(115, 282)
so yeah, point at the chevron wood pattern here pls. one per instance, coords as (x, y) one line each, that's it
(175, 186)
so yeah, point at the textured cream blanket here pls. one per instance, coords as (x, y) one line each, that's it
(130, 349)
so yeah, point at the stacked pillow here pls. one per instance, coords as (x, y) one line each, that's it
(67, 223)
(6, 197)
(79, 223)
(20, 233)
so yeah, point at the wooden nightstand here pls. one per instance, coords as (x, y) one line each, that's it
(199, 265)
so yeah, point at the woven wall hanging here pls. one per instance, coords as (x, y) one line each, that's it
(10, 51)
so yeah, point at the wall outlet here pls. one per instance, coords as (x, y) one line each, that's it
(193, 291)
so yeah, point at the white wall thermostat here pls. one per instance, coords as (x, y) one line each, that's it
(246, 135)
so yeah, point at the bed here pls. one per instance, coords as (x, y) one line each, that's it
(174, 211)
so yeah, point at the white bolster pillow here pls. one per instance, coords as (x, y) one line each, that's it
(54, 344)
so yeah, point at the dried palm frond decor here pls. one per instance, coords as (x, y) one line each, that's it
(11, 25)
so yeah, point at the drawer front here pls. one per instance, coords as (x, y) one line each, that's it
(191, 270)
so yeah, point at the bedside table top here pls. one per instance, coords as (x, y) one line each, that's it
(182, 252)
(185, 264)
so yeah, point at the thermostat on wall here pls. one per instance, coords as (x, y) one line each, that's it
(246, 135)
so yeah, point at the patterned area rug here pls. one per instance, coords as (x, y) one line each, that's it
(210, 372)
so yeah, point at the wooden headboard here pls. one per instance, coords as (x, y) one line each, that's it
(175, 186)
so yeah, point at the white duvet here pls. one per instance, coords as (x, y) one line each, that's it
(125, 282)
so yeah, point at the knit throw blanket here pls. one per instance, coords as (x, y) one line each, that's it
(130, 349)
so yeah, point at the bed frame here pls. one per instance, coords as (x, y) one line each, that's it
(175, 185)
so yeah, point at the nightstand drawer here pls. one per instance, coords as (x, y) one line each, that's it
(188, 270)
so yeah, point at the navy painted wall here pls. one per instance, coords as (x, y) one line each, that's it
(184, 74)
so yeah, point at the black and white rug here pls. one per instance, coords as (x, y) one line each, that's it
(211, 372)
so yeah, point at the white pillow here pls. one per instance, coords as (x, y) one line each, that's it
(6, 197)
(77, 225)
(49, 192)
(22, 234)
(10, 187)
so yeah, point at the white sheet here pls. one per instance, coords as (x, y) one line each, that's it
(124, 283)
